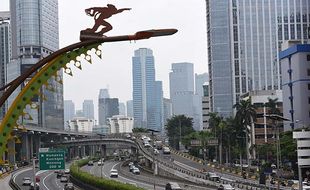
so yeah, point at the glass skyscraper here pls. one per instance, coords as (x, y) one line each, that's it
(5, 51)
(88, 109)
(147, 93)
(34, 26)
(244, 38)
(182, 93)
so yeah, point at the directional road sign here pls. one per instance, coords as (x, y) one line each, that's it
(52, 160)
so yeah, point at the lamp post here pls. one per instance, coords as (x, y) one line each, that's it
(276, 117)
(153, 155)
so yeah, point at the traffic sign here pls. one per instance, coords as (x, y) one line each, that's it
(52, 160)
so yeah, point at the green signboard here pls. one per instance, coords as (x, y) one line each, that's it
(52, 160)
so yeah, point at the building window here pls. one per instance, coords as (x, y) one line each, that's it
(308, 86)
(308, 71)
(308, 57)
(308, 100)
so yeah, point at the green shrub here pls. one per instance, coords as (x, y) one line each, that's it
(95, 181)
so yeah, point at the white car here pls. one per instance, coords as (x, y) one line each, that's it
(156, 152)
(113, 173)
(64, 179)
(37, 186)
(67, 171)
(227, 187)
(147, 145)
(136, 171)
(100, 163)
(166, 150)
(26, 181)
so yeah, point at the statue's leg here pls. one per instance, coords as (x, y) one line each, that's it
(95, 27)
(107, 27)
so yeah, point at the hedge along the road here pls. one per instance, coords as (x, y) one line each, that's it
(95, 181)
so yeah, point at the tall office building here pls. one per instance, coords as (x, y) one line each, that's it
(244, 38)
(34, 27)
(144, 88)
(122, 109)
(69, 111)
(107, 107)
(184, 101)
(5, 51)
(158, 106)
(129, 108)
(167, 104)
(88, 109)
(104, 93)
(200, 80)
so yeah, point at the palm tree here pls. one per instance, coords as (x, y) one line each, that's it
(272, 105)
(245, 115)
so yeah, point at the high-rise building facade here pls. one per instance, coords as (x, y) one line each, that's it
(122, 109)
(295, 66)
(104, 93)
(107, 107)
(5, 51)
(182, 94)
(88, 109)
(158, 106)
(34, 27)
(167, 104)
(120, 124)
(200, 80)
(69, 111)
(144, 88)
(129, 108)
(244, 38)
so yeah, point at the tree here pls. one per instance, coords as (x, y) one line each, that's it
(177, 127)
(139, 130)
(246, 113)
(272, 106)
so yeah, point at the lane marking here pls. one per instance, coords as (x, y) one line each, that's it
(45, 179)
(19, 172)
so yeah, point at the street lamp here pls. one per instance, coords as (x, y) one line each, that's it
(155, 166)
(276, 117)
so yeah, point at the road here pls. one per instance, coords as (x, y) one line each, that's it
(145, 180)
(48, 180)
(106, 168)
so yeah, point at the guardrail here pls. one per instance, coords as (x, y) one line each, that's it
(200, 177)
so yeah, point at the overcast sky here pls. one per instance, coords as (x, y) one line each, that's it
(114, 70)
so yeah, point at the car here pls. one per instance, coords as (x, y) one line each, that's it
(133, 138)
(100, 163)
(172, 186)
(128, 136)
(38, 179)
(64, 179)
(166, 150)
(131, 167)
(90, 163)
(136, 171)
(67, 171)
(114, 173)
(130, 164)
(156, 152)
(59, 174)
(26, 181)
(32, 186)
(228, 187)
(68, 186)
(147, 145)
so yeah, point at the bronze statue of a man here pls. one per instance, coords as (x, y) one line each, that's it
(100, 14)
